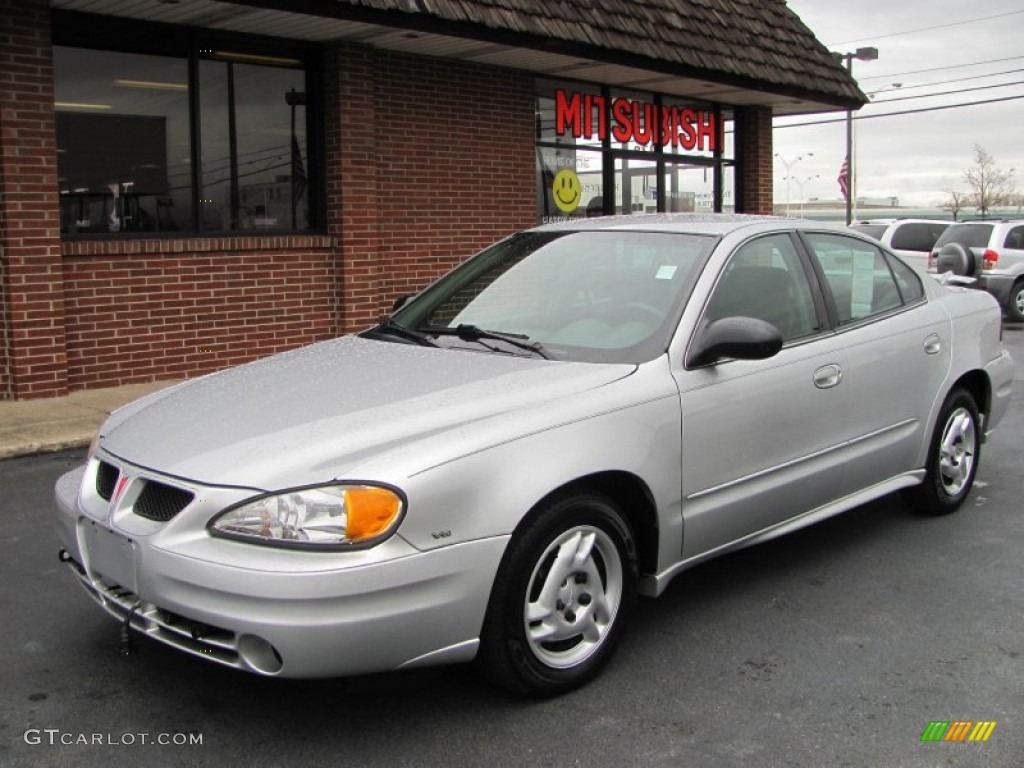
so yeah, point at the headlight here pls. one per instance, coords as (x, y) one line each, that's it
(321, 517)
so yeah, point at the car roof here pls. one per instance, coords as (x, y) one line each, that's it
(688, 223)
(903, 220)
(989, 221)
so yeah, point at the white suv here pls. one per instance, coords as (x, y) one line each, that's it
(993, 252)
(910, 238)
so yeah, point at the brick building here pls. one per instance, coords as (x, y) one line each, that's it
(190, 185)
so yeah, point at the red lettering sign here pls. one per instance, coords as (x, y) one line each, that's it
(586, 116)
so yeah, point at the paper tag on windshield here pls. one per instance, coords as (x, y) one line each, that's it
(666, 272)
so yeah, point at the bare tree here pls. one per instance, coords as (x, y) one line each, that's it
(989, 186)
(956, 201)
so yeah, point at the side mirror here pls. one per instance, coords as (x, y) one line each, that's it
(401, 301)
(739, 338)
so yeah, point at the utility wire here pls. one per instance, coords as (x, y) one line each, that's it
(946, 93)
(939, 69)
(926, 29)
(903, 112)
(959, 79)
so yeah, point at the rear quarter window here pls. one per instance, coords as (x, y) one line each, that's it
(917, 236)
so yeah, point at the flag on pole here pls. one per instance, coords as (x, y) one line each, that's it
(298, 172)
(844, 178)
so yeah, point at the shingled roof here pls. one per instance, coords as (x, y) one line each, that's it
(758, 44)
(732, 51)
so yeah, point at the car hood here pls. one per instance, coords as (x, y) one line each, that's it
(312, 414)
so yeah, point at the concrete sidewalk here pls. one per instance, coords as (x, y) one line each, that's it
(52, 424)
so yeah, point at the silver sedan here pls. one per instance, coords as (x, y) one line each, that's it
(569, 419)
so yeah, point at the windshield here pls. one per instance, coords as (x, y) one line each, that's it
(599, 296)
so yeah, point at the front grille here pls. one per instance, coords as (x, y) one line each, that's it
(161, 502)
(106, 480)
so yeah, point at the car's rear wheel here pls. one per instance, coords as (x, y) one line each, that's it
(952, 458)
(1015, 306)
(561, 596)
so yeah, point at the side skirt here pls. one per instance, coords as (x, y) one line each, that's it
(654, 584)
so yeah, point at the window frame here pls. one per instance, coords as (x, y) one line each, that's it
(77, 29)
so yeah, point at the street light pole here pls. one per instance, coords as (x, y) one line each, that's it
(863, 54)
(800, 189)
(789, 164)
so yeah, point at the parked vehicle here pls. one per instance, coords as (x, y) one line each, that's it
(911, 238)
(572, 417)
(991, 251)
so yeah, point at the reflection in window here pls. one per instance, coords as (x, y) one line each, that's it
(126, 160)
(122, 142)
(254, 146)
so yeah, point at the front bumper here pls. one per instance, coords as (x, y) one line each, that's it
(288, 614)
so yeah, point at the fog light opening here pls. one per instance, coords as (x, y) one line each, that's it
(259, 654)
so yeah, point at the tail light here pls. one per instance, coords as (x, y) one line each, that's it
(989, 259)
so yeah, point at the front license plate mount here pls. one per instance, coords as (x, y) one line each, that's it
(108, 555)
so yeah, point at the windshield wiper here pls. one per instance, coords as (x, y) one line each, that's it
(468, 332)
(390, 327)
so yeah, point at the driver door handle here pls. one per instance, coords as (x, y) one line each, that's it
(828, 376)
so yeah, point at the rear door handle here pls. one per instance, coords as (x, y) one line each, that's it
(933, 344)
(828, 376)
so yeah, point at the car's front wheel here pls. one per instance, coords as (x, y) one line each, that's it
(952, 458)
(561, 597)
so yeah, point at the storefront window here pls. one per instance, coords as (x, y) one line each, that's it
(253, 146)
(653, 153)
(636, 185)
(571, 183)
(123, 157)
(130, 157)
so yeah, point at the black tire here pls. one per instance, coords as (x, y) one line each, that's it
(952, 457)
(1015, 306)
(956, 258)
(577, 622)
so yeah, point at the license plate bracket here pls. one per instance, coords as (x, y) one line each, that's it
(108, 555)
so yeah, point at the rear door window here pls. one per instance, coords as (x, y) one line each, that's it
(857, 275)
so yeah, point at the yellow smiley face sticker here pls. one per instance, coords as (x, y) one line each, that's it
(567, 190)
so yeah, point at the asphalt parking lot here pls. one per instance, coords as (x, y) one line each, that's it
(835, 646)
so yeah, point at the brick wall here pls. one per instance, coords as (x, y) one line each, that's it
(754, 181)
(437, 161)
(33, 362)
(142, 310)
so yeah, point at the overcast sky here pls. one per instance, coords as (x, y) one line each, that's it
(930, 47)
